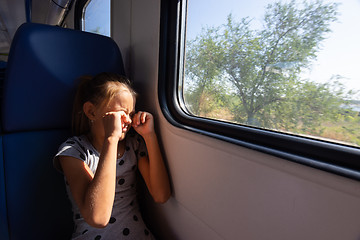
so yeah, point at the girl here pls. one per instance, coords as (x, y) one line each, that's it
(100, 161)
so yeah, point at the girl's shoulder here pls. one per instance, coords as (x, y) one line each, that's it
(78, 147)
(81, 143)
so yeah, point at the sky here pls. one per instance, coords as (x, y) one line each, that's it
(340, 51)
(97, 17)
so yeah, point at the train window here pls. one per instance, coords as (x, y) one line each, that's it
(276, 76)
(96, 17)
(275, 65)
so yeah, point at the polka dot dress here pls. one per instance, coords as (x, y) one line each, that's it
(126, 221)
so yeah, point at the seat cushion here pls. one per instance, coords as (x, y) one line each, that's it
(37, 203)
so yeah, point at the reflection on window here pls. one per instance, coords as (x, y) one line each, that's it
(96, 17)
(288, 66)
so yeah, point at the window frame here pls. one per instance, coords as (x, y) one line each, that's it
(339, 159)
(78, 13)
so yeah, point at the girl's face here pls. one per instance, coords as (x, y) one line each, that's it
(122, 101)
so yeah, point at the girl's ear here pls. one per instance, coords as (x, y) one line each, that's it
(89, 110)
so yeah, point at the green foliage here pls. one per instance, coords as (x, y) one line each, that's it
(255, 74)
(202, 67)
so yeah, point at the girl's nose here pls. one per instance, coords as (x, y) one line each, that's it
(128, 119)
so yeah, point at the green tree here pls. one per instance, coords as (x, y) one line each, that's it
(309, 105)
(202, 67)
(263, 66)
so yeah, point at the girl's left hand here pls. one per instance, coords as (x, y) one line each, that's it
(143, 123)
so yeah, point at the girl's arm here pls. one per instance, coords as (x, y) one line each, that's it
(94, 193)
(152, 168)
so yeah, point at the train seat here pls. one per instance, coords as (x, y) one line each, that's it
(43, 65)
(4, 234)
(3, 217)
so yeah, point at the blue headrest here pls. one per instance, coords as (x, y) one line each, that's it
(44, 63)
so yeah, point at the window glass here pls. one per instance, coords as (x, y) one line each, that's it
(96, 17)
(285, 66)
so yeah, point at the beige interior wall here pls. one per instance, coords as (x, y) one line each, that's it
(221, 190)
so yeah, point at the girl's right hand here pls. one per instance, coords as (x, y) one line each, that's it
(115, 123)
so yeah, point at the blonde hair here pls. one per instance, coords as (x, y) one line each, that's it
(98, 90)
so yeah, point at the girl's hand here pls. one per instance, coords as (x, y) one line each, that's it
(143, 123)
(115, 123)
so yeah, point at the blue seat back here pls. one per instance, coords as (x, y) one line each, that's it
(3, 212)
(44, 63)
